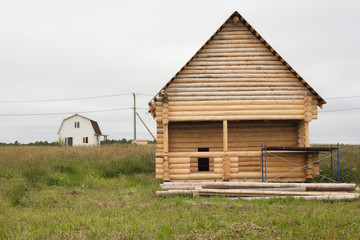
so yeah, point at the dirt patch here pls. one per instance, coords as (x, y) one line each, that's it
(76, 193)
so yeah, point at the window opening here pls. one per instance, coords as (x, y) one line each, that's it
(203, 163)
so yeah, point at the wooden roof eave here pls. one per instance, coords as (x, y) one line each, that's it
(321, 101)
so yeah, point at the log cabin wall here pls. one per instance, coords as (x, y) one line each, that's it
(243, 135)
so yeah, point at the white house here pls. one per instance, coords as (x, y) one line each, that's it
(78, 130)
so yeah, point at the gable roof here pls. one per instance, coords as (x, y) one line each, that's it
(321, 101)
(94, 124)
(96, 127)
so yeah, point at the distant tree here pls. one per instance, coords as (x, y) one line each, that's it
(113, 141)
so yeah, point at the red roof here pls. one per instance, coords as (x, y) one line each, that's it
(96, 127)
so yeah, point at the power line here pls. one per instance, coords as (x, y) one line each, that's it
(62, 113)
(109, 96)
(71, 99)
(340, 110)
(334, 98)
(145, 94)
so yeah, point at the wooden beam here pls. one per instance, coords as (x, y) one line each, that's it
(226, 167)
(166, 174)
(165, 121)
(225, 136)
(307, 134)
(166, 138)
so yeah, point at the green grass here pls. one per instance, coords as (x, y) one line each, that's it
(349, 163)
(105, 193)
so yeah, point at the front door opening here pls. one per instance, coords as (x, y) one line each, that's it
(203, 163)
(70, 141)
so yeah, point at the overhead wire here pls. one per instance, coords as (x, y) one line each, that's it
(110, 95)
(118, 109)
(70, 99)
(335, 98)
(62, 113)
(340, 110)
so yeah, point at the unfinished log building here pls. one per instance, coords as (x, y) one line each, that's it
(234, 94)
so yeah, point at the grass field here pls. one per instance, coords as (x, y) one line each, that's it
(109, 193)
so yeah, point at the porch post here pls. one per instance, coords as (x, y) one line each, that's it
(225, 136)
(307, 117)
(307, 135)
(226, 157)
(165, 121)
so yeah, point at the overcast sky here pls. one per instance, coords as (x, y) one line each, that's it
(81, 48)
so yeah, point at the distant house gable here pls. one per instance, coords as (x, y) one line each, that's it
(94, 124)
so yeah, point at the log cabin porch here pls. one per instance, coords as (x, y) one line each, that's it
(232, 151)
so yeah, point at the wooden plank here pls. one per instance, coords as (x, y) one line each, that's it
(195, 176)
(243, 192)
(239, 102)
(222, 98)
(239, 117)
(216, 155)
(234, 112)
(347, 197)
(178, 160)
(309, 186)
(232, 108)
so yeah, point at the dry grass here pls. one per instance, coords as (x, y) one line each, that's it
(349, 163)
(73, 166)
(109, 193)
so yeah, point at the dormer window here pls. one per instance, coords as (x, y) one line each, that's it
(77, 124)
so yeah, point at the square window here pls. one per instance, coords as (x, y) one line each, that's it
(77, 124)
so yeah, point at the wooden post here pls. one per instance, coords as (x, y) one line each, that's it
(166, 138)
(225, 136)
(226, 167)
(165, 121)
(309, 174)
(307, 135)
(166, 175)
(307, 118)
(301, 134)
(134, 117)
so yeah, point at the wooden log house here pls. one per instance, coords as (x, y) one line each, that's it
(234, 94)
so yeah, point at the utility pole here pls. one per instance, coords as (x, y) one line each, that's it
(134, 117)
